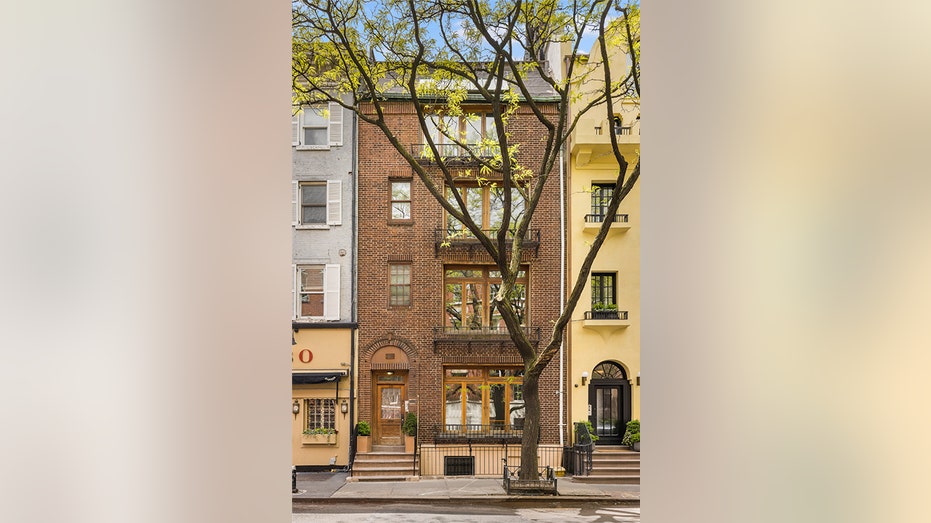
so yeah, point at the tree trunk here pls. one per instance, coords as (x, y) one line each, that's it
(531, 435)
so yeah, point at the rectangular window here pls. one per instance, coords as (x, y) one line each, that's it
(477, 131)
(486, 207)
(318, 126)
(399, 288)
(603, 290)
(318, 203)
(400, 200)
(320, 413)
(317, 295)
(601, 198)
(469, 293)
(481, 399)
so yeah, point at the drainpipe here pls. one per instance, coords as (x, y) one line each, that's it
(562, 296)
(354, 177)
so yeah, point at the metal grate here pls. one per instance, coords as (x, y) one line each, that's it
(459, 466)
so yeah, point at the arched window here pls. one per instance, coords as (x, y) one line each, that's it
(607, 370)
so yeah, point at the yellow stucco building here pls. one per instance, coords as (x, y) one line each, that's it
(604, 337)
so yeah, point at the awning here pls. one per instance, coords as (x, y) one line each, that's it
(303, 378)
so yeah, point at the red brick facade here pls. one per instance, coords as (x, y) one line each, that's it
(382, 241)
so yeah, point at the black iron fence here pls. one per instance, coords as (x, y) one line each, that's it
(479, 458)
(605, 315)
(577, 460)
(543, 483)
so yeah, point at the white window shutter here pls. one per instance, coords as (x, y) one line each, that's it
(296, 128)
(294, 291)
(295, 202)
(336, 124)
(331, 292)
(334, 204)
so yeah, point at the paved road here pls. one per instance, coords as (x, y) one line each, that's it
(459, 513)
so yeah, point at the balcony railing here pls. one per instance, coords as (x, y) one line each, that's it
(599, 218)
(605, 315)
(448, 240)
(622, 130)
(483, 332)
(455, 433)
(453, 154)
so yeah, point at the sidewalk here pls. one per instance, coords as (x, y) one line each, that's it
(316, 487)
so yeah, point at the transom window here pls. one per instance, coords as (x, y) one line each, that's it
(607, 370)
(485, 206)
(468, 293)
(478, 397)
(320, 413)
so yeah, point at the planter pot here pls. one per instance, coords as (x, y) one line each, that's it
(318, 439)
(363, 444)
(408, 444)
(635, 446)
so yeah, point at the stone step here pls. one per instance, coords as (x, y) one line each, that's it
(615, 471)
(386, 471)
(379, 465)
(617, 480)
(380, 478)
(388, 448)
(616, 462)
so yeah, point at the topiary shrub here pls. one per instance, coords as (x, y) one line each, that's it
(633, 427)
(363, 429)
(410, 424)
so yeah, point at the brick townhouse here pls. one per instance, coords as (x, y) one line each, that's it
(428, 341)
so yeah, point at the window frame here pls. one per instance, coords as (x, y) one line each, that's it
(486, 217)
(602, 288)
(485, 117)
(485, 282)
(392, 201)
(334, 127)
(601, 201)
(320, 411)
(331, 292)
(392, 285)
(485, 381)
(333, 195)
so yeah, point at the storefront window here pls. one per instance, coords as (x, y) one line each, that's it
(479, 399)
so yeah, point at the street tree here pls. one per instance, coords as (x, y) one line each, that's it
(439, 52)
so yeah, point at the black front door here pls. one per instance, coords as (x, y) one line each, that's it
(609, 401)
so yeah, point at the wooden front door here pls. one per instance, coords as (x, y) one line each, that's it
(389, 413)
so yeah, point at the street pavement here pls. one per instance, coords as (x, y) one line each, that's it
(323, 487)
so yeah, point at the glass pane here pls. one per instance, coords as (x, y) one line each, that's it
(472, 307)
(312, 278)
(315, 116)
(453, 404)
(464, 273)
(312, 304)
(313, 214)
(313, 194)
(496, 208)
(491, 132)
(400, 211)
(473, 394)
(517, 405)
(454, 305)
(463, 373)
(400, 274)
(390, 403)
(519, 302)
(400, 191)
(495, 320)
(497, 405)
(518, 205)
(473, 130)
(316, 136)
(474, 204)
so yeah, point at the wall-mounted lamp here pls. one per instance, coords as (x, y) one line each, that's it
(584, 378)
(344, 407)
(638, 378)
(296, 407)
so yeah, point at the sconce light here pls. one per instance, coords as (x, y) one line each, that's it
(584, 378)
(296, 407)
(638, 378)
(293, 341)
(344, 407)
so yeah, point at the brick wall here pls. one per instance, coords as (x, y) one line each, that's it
(411, 328)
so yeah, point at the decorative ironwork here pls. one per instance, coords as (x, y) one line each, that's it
(481, 333)
(605, 315)
(453, 154)
(599, 218)
(445, 244)
(544, 483)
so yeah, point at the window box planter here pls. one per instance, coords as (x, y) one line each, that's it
(605, 315)
(319, 439)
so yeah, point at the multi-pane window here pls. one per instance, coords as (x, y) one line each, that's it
(478, 131)
(469, 293)
(486, 207)
(601, 198)
(483, 397)
(400, 200)
(318, 203)
(603, 290)
(399, 288)
(317, 292)
(320, 413)
(318, 126)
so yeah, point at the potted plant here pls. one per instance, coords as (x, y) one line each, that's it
(409, 428)
(363, 437)
(603, 311)
(319, 436)
(632, 435)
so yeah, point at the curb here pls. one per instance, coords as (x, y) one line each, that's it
(606, 499)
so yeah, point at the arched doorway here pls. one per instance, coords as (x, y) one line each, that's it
(390, 367)
(609, 402)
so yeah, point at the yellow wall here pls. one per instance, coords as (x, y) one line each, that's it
(591, 160)
(330, 349)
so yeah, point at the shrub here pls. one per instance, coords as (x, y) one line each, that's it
(591, 430)
(410, 424)
(633, 427)
(363, 429)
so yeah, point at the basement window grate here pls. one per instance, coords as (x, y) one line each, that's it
(459, 466)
